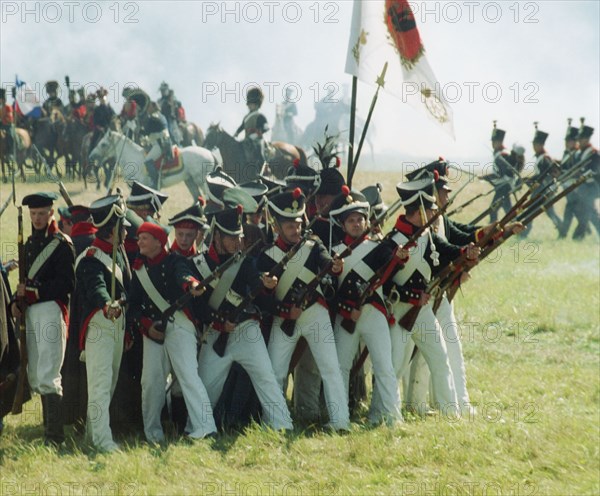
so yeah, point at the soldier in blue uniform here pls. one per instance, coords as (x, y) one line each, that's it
(313, 323)
(350, 209)
(505, 173)
(590, 190)
(566, 163)
(49, 260)
(244, 341)
(102, 280)
(159, 279)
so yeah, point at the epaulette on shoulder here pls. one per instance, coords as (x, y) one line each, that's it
(61, 236)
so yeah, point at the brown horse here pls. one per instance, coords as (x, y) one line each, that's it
(191, 133)
(75, 130)
(22, 149)
(47, 137)
(282, 156)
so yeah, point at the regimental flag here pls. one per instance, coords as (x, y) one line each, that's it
(386, 31)
(27, 102)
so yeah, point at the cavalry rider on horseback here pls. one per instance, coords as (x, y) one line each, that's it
(254, 126)
(53, 101)
(7, 125)
(158, 134)
(102, 117)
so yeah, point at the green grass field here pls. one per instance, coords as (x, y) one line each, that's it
(530, 328)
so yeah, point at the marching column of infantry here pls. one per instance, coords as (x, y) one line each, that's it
(268, 290)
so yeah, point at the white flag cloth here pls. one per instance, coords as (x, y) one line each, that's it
(385, 31)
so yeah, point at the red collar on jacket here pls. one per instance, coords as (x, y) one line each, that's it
(186, 253)
(404, 226)
(348, 240)
(282, 244)
(104, 245)
(139, 261)
(82, 229)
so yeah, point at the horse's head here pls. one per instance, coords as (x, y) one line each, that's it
(105, 148)
(213, 135)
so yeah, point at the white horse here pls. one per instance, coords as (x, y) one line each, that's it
(197, 162)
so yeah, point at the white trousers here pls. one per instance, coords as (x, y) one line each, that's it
(103, 352)
(46, 344)
(372, 327)
(419, 373)
(427, 336)
(314, 325)
(247, 347)
(179, 353)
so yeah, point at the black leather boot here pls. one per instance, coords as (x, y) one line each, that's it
(53, 426)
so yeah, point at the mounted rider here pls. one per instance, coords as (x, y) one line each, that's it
(53, 101)
(158, 134)
(254, 126)
(7, 124)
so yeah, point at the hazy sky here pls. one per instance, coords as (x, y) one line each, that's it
(517, 62)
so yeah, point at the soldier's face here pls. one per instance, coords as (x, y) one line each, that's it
(229, 244)
(149, 246)
(538, 147)
(185, 237)
(40, 217)
(570, 144)
(442, 197)
(290, 230)
(355, 224)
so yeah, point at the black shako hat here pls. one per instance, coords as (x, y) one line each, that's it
(229, 221)
(108, 211)
(438, 169)
(145, 196)
(347, 202)
(498, 134)
(192, 216)
(289, 205)
(302, 176)
(217, 182)
(373, 195)
(418, 191)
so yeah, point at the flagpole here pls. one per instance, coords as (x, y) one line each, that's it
(380, 84)
(351, 133)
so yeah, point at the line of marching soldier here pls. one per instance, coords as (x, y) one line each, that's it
(582, 204)
(287, 277)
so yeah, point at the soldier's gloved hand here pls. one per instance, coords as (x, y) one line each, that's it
(21, 288)
(489, 229)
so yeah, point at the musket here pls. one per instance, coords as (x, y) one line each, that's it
(467, 203)
(221, 343)
(168, 315)
(22, 381)
(65, 194)
(6, 203)
(451, 290)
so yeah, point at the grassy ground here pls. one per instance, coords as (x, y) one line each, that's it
(530, 326)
